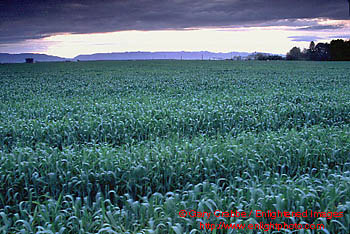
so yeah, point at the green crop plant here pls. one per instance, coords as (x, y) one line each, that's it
(123, 146)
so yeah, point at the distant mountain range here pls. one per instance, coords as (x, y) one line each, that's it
(161, 55)
(205, 55)
(20, 58)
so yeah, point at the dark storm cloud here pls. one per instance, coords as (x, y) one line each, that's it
(24, 19)
(305, 38)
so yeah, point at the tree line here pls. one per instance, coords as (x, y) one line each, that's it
(336, 50)
(265, 56)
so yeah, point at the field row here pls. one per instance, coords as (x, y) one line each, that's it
(167, 165)
(135, 121)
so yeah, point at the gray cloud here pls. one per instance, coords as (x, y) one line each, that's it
(305, 38)
(21, 20)
(322, 27)
(340, 37)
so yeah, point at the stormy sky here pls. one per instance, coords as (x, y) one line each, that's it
(106, 25)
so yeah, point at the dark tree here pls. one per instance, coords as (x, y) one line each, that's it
(322, 52)
(337, 50)
(265, 56)
(312, 45)
(306, 54)
(340, 50)
(294, 54)
(311, 52)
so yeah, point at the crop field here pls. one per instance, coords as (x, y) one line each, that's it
(124, 146)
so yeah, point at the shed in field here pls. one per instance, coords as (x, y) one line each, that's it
(29, 60)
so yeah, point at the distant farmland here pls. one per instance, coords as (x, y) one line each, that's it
(124, 146)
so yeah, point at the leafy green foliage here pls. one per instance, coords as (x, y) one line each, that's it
(122, 147)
